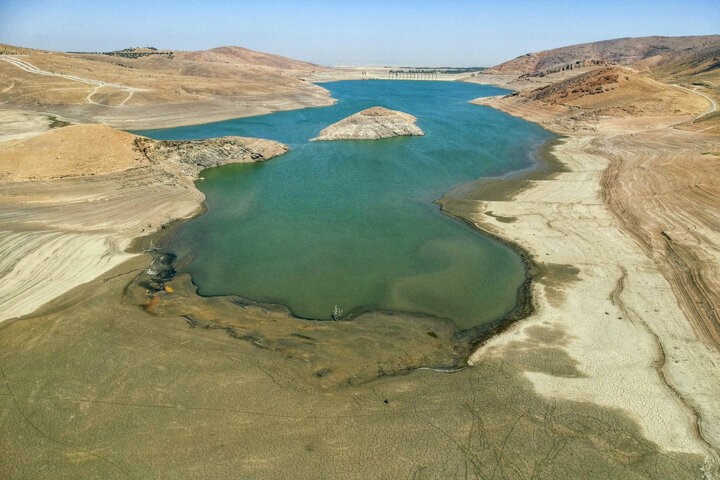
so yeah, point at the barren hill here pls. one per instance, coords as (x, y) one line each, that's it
(602, 93)
(699, 72)
(89, 150)
(239, 55)
(72, 199)
(610, 88)
(643, 52)
(137, 88)
(699, 65)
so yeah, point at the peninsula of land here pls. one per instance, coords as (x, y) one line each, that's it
(372, 124)
(107, 373)
(74, 198)
(631, 217)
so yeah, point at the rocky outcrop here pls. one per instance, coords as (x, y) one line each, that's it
(211, 152)
(74, 198)
(372, 124)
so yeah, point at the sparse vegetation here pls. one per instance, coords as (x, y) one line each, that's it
(136, 52)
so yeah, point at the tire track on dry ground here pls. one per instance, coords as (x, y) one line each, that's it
(30, 68)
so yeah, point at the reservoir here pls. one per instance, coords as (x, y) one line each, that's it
(353, 224)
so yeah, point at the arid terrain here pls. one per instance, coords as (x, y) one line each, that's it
(79, 195)
(155, 91)
(371, 124)
(113, 367)
(636, 174)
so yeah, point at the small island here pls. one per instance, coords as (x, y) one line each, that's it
(372, 124)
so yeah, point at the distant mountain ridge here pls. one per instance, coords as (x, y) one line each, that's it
(228, 54)
(233, 54)
(642, 53)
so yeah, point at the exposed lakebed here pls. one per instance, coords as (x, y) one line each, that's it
(354, 223)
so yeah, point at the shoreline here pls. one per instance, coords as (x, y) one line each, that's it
(545, 165)
(469, 338)
(103, 211)
(667, 337)
(549, 286)
(507, 186)
(147, 118)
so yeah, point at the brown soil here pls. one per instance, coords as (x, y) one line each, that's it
(666, 185)
(639, 52)
(668, 195)
(185, 88)
(75, 197)
(114, 379)
(71, 151)
(95, 386)
(597, 100)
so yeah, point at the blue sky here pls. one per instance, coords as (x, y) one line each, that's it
(334, 32)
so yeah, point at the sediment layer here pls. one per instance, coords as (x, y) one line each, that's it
(69, 213)
(372, 124)
(634, 216)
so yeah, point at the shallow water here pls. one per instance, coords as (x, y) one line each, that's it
(353, 223)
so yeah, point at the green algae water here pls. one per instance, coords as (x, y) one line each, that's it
(354, 223)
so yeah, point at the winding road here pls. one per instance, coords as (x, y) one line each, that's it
(30, 68)
(713, 104)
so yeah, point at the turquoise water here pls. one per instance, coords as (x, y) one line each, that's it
(353, 223)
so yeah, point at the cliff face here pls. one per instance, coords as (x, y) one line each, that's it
(372, 124)
(87, 150)
(213, 152)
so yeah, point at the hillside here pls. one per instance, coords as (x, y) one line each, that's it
(134, 88)
(586, 100)
(643, 52)
(699, 72)
(90, 150)
(609, 88)
(76, 150)
(239, 55)
(635, 78)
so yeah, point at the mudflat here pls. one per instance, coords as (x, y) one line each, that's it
(635, 222)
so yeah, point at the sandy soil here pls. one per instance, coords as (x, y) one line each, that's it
(76, 150)
(635, 223)
(17, 124)
(612, 376)
(160, 92)
(74, 198)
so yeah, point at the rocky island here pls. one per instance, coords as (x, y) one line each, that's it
(613, 374)
(371, 124)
